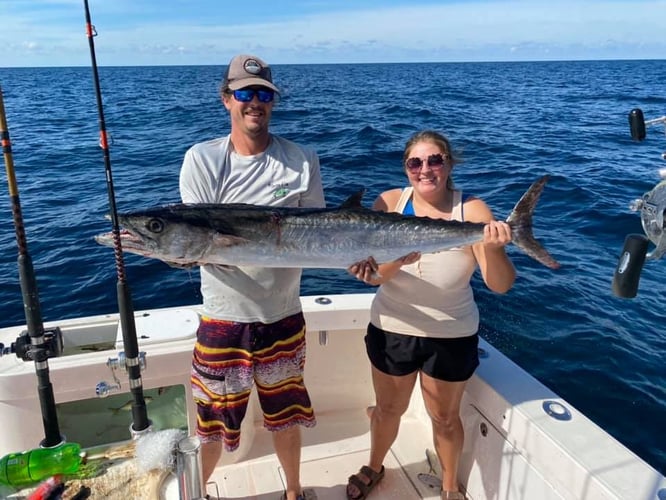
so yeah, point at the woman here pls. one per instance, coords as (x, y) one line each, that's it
(424, 320)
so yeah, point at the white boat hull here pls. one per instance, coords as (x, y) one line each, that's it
(516, 445)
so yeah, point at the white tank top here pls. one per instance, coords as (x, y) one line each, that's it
(432, 297)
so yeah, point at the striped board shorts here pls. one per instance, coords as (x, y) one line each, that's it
(230, 357)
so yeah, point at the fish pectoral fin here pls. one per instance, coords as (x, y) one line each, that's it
(179, 265)
(227, 240)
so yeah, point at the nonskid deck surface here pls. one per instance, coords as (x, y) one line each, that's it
(333, 450)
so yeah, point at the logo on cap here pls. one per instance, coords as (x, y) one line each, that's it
(252, 67)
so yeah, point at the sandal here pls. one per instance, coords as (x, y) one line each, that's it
(306, 494)
(364, 488)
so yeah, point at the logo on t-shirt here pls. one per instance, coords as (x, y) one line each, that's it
(281, 190)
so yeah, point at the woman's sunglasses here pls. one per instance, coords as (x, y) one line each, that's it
(246, 95)
(435, 162)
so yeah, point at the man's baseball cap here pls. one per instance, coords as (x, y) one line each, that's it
(246, 70)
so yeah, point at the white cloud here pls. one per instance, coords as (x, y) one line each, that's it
(478, 30)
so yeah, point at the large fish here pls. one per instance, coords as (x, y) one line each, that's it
(185, 235)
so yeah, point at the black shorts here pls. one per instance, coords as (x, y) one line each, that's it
(451, 360)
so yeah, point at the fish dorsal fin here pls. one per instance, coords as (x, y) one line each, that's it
(354, 201)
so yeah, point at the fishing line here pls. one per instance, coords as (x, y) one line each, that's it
(125, 307)
(38, 349)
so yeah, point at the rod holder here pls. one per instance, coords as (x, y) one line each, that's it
(188, 465)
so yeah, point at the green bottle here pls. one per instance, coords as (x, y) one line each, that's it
(18, 469)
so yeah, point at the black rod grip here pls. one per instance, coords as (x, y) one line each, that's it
(629, 266)
(637, 124)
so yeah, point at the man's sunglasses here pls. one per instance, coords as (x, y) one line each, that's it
(435, 162)
(246, 95)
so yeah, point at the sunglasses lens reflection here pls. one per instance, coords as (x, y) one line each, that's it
(435, 160)
(246, 95)
(414, 163)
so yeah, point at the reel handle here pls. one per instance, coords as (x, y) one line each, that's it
(629, 266)
(637, 124)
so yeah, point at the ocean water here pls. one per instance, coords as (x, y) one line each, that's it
(511, 123)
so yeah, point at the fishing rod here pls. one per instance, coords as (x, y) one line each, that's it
(131, 360)
(652, 208)
(38, 348)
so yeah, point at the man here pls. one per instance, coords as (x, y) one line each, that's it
(252, 329)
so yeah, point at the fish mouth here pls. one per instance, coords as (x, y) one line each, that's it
(129, 241)
(135, 243)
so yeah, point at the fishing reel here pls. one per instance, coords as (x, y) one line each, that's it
(652, 208)
(104, 388)
(25, 350)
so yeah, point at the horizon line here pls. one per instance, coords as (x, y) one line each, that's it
(508, 61)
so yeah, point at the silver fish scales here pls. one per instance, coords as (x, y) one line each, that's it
(185, 235)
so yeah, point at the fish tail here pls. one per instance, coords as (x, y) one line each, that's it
(520, 221)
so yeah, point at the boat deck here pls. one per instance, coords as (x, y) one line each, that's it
(522, 441)
(336, 448)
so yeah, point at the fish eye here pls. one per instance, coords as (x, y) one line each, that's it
(155, 225)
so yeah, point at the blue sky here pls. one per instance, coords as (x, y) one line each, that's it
(151, 32)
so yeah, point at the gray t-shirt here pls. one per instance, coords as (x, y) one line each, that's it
(285, 175)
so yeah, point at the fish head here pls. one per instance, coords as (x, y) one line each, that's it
(161, 234)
